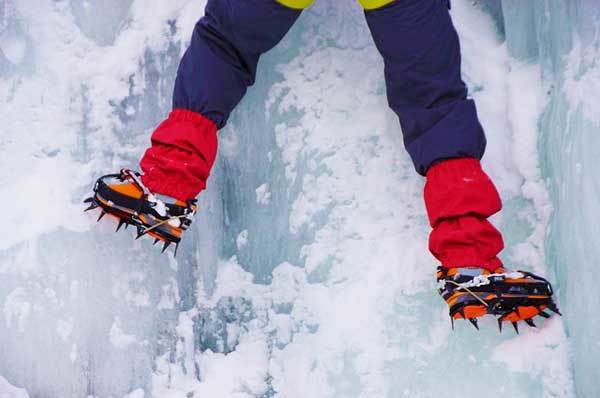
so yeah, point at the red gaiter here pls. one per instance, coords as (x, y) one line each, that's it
(183, 151)
(459, 197)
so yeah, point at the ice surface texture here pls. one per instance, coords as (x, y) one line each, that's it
(564, 38)
(307, 272)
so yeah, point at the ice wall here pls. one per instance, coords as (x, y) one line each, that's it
(306, 273)
(84, 312)
(564, 38)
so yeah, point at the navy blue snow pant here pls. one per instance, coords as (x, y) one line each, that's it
(416, 38)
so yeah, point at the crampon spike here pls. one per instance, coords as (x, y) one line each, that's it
(452, 321)
(552, 307)
(500, 325)
(102, 214)
(140, 233)
(91, 207)
(167, 244)
(503, 316)
(156, 240)
(89, 200)
(530, 322)
(175, 251)
(121, 223)
(516, 326)
(474, 322)
(543, 314)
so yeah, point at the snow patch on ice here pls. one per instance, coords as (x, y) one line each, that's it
(9, 391)
(263, 195)
(118, 337)
(42, 143)
(547, 346)
(524, 110)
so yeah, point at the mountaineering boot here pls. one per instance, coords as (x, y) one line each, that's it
(126, 198)
(513, 296)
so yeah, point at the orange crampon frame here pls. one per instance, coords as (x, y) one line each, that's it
(513, 296)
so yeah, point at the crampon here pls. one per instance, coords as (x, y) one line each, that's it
(124, 197)
(512, 296)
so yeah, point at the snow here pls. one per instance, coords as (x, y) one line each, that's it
(9, 391)
(306, 272)
(263, 196)
(546, 345)
(118, 337)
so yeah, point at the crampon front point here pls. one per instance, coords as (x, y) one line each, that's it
(124, 197)
(512, 296)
